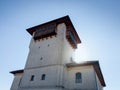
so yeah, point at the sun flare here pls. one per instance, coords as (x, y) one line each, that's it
(81, 54)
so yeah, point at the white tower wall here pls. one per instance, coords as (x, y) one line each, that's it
(55, 52)
(50, 51)
(50, 55)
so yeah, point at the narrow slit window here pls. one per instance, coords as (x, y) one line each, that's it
(78, 77)
(43, 77)
(32, 78)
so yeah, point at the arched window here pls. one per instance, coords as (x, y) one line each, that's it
(78, 77)
(43, 77)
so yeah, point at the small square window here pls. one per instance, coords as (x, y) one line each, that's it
(41, 58)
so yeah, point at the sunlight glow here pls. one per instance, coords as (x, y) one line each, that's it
(81, 54)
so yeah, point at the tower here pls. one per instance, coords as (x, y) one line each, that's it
(49, 65)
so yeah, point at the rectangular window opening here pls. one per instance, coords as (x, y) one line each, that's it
(78, 77)
(43, 77)
(32, 78)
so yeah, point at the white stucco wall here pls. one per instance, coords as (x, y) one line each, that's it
(88, 78)
(57, 76)
(40, 49)
(54, 58)
(59, 50)
(53, 79)
(55, 52)
(67, 50)
(16, 81)
(37, 88)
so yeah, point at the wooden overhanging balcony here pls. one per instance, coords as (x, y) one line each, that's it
(45, 32)
(70, 37)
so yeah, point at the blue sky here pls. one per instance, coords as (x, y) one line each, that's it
(96, 21)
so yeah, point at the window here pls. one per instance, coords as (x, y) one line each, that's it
(78, 77)
(43, 77)
(41, 58)
(32, 78)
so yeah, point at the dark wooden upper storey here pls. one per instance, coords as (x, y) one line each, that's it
(49, 29)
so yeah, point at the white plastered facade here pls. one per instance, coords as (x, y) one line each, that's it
(49, 56)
